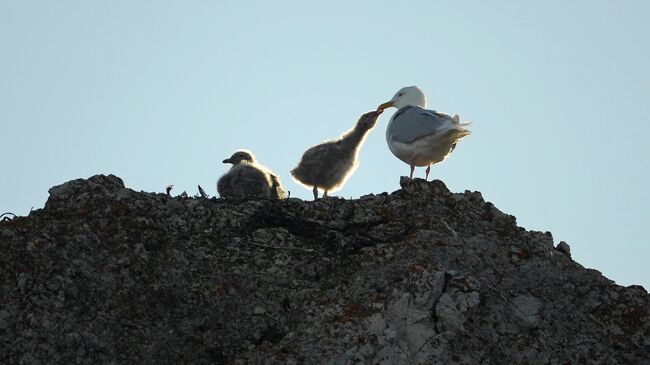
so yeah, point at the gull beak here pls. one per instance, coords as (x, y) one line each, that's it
(385, 105)
(227, 160)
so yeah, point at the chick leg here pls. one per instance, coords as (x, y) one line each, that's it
(427, 172)
(325, 194)
(315, 193)
(412, 168)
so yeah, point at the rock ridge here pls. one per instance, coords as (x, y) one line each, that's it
(105, 274)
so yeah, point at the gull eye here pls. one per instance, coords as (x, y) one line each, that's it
(400, 94)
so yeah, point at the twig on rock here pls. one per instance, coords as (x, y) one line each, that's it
(281, 248)
(202, 192)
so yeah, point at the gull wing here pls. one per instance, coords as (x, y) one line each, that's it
(412, 122)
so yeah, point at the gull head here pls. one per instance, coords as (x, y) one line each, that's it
(367, 121)
(410, 95)
(239, 156)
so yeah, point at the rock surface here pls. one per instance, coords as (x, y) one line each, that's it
(104, 274)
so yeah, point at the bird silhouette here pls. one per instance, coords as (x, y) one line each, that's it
(248, 179)
(328, 165)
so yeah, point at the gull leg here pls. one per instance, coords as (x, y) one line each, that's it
(325, 194)
(427, 172)
(412, 168)
(315, 193)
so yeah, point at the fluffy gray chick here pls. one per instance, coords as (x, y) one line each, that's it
(248, 179)
(327, 166)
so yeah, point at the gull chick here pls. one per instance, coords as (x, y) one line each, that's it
(248, 179)
(327, 166)
(418, 136)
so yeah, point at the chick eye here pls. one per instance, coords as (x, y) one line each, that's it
(400, 94)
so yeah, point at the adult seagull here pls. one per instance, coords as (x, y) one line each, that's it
(418, 136)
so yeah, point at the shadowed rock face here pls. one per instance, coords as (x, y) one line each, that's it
(422, 275)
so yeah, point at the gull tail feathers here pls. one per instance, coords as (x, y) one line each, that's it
(456, 119)
(459, 127)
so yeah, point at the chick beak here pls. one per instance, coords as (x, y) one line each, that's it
(227, 160)
(385, 105)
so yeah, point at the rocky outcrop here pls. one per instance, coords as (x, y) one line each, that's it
(104, 274)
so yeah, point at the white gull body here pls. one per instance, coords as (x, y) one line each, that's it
(418, 136)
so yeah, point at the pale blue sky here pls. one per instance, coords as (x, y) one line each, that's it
(160, 92)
